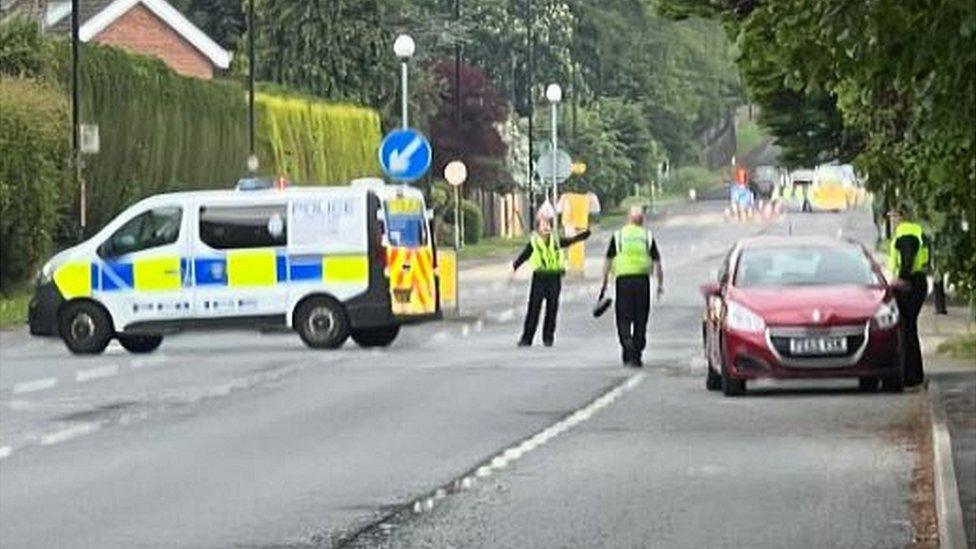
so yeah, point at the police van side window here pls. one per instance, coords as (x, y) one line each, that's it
(233, 227)
(150, 229)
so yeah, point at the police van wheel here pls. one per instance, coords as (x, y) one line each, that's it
(375, 337)
(140, 344)
(85, 328)
(321, 322)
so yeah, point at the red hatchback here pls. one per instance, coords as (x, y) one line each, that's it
(796, 307)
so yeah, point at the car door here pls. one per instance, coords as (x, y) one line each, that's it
(141, 274)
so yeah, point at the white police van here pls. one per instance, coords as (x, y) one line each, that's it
(308, 258)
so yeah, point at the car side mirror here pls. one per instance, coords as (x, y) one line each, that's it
(710, 289)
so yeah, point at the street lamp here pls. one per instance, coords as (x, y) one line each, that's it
(455, 173)
(404, 47)
(554, 94)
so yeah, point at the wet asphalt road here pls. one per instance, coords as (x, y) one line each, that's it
(245, 440)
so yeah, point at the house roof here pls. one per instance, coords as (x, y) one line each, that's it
(97, 15)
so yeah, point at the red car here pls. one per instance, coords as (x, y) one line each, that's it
(797, 307)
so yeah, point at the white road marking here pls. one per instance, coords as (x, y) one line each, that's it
(5, 451)
(440, 336)
(479, 325)
(503, 459)
(96, 373)
(504, 316)
(114, 348)
(465, 330)
(69, 433)
(34, 385)
(146, 362)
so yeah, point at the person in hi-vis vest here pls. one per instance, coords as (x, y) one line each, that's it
(631, 257)
(545, 253)
(908, 257)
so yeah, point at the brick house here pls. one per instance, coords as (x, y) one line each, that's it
(149, 27)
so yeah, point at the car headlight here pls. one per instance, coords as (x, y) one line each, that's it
(738, 317)
(886, 315)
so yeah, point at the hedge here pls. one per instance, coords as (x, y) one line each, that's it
(34, 152)
(158, 131)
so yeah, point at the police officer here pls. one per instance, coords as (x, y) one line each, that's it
(631, 256)
(544, 253)
(908, 257)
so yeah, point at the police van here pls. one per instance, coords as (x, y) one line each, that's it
(328, 262)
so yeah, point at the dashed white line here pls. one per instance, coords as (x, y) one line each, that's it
(5, 451)
(69, 433)
(440, 336)
(34, 385)
(465, 330)
(146, 362)
(96, 373)
(114, 348)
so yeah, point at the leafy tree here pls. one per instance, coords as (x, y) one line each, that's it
(223, 20)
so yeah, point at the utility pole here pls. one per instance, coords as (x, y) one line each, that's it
(76, 111)
(250, 79)
(529, 25)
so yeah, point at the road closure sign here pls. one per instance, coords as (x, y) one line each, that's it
(405, 155)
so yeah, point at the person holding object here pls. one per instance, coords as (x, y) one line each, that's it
(908, 257)
(631, 257)
(544, 252)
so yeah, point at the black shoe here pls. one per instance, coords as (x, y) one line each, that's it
(636, 363)
(523, 343)
(547, 343)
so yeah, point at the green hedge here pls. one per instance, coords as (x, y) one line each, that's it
(34, 153)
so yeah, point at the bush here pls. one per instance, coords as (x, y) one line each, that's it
(474, 222)
(692, 177)
(34, 153)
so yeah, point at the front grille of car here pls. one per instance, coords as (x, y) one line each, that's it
(779, 339)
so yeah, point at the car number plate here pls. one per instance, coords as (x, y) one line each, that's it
(818, 345)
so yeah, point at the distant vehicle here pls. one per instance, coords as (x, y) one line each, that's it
(791, 307)
(314, 259)
(797, 191)
(838, 187)
(764, 180)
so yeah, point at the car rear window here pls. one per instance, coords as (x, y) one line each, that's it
(803, 266)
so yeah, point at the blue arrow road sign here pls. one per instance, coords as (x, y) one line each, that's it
(405, 155)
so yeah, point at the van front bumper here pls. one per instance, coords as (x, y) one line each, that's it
(42, 312)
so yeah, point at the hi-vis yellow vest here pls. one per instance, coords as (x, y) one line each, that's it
(633, 251)
(906, 228)
(547, 256)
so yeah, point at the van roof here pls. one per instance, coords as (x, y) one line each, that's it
(255, 195)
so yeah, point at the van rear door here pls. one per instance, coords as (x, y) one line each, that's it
(410, 258)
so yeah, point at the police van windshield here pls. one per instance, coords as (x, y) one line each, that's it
(406, 225)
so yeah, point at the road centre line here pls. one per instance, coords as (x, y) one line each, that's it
(69, 433)
(5, 451)
(426, 502)
(34, 385)
(146, 361)
(96, 373)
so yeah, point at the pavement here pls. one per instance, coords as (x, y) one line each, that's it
(453, 436)
(954, 383)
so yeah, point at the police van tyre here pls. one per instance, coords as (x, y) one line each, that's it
(85, 327)
(375, 337)
(322, 323)
(140, 344)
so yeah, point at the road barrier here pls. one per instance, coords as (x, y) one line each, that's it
(447, 270)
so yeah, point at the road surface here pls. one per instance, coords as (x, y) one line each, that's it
(453, 437)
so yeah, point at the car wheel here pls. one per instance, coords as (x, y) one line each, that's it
(730, 385)
(375, 337)
(322, 323)
(85, 328)
(713, 381)
(868, 384)
(140, 344)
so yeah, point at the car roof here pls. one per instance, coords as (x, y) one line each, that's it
(767, 241)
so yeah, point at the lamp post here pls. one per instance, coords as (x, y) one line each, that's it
(554, 94)
(252, 159)
(404, 47)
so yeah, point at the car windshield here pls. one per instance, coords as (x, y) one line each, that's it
(803, 266)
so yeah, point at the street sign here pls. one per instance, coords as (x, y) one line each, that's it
(405, 155)
(560, 163)
(89, 138)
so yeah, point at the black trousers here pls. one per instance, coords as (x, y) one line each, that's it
(910, 301)
(633, 304)
(545, 287)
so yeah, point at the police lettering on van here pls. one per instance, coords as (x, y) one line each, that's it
(314, 259)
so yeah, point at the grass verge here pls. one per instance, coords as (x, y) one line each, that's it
(961, 346)
(13, 309)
